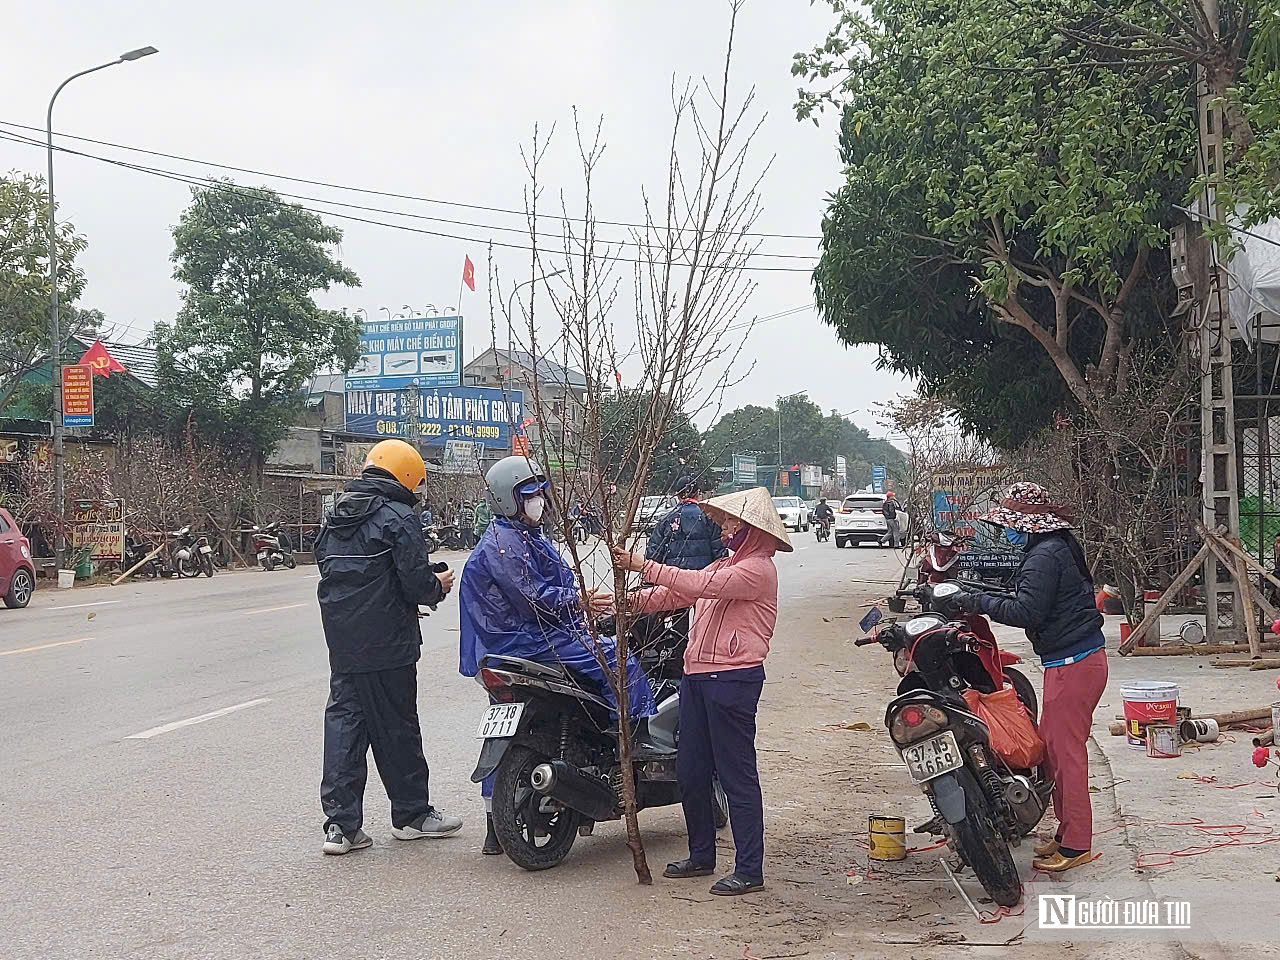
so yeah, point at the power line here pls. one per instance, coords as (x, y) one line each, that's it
(217, 185)
(380, 193)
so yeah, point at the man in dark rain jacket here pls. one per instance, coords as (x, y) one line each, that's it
(374, 574)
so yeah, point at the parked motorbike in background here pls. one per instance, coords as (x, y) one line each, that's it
(983, 801)
(553, 749)
(272, 547)
(134, 552)
(431, 537)
(187, 555)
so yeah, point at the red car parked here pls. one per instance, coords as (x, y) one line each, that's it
(17, 572)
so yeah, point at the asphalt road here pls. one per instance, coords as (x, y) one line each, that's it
(159, 792)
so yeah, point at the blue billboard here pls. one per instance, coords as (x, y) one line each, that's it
(488, 414)
(395, 353)
(879, 479)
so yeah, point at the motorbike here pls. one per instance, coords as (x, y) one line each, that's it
(552, 746)
(431, 537)
(134, 552)
(982, 805)
(451, 537)
(188, 555)
(822, 527)
(272, 547)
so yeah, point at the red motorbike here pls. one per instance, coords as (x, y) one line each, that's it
(939, 562)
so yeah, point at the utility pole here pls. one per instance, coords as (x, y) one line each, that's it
(413, 409)
(1220, 494)
(55, 331)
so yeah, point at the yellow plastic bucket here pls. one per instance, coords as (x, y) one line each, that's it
(888, 838)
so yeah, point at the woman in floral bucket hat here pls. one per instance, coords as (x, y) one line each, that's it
(1054, 603)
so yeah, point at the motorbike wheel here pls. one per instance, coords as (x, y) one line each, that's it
(979, 841)
(268, 564)
(1025, 691)
(206, 564)
(290, 562)
(533, 834)
(721, 802)
(188, 568)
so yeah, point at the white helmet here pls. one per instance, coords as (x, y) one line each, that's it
(506, 477)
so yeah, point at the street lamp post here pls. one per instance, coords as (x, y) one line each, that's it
(55, 334)
(516, 289)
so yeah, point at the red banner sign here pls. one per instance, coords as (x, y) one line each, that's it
(77, 395)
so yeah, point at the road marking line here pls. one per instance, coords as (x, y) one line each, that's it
(43, 646)
(77, 606)
(287, 606)
(212, 715)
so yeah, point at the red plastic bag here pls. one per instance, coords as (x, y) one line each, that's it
(1013, 735)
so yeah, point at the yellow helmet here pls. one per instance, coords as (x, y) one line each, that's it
(400, 460)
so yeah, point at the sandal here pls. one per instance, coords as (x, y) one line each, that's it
(735, 885)
(685, 869)
(1057, 863)
(1046, 848)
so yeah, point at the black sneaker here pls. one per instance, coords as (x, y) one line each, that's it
(337, 843)
(433, 825)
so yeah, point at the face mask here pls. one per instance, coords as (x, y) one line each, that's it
(1015, 537)
(739, 538)
(533, 507)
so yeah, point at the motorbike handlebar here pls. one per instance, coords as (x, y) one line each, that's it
(865, 641)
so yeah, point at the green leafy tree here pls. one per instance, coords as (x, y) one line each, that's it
(249, 333)
(622, 427)
(1001, 204)
(808, 437)
(24, 279)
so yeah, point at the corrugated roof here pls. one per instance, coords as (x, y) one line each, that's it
(138, 358)
(326, 383)
(547, 369)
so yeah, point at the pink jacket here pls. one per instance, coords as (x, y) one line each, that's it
(735, 605)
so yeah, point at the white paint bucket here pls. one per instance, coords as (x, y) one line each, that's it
(66, 579)
(1199, 731)
(1148, 701)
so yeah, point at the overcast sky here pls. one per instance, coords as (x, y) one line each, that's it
(428, 99)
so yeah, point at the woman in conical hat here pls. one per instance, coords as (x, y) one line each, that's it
(735, 612)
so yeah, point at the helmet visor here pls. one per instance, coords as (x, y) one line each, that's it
(532, 486)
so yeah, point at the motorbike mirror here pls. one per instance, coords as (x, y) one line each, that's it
(942, 591)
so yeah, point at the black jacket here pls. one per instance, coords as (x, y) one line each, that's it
(686, 538)
(823, 511)
(1054, 601)
(374, 573)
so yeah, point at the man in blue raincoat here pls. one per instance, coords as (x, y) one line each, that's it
(518, 598)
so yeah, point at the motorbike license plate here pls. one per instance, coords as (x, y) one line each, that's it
(206, 549)
(500, 720)
(933, 757)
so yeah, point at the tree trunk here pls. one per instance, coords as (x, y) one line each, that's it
(635, 843)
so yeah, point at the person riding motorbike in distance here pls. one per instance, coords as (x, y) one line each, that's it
(520, 599)
(823, 511)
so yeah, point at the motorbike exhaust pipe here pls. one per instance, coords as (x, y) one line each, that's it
(566, 784)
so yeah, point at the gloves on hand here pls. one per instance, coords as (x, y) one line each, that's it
(970, 602)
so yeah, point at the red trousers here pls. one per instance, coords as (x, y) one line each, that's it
(1071, 693)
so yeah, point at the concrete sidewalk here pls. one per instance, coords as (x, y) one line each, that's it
(1207, 821)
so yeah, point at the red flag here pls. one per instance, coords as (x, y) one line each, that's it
(469, 274)
(102, 362)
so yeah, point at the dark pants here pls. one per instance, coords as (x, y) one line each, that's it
(718, 735)
(378, 710)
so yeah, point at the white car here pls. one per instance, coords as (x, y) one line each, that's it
(793, 512)
(651, 510)
(860, 519)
